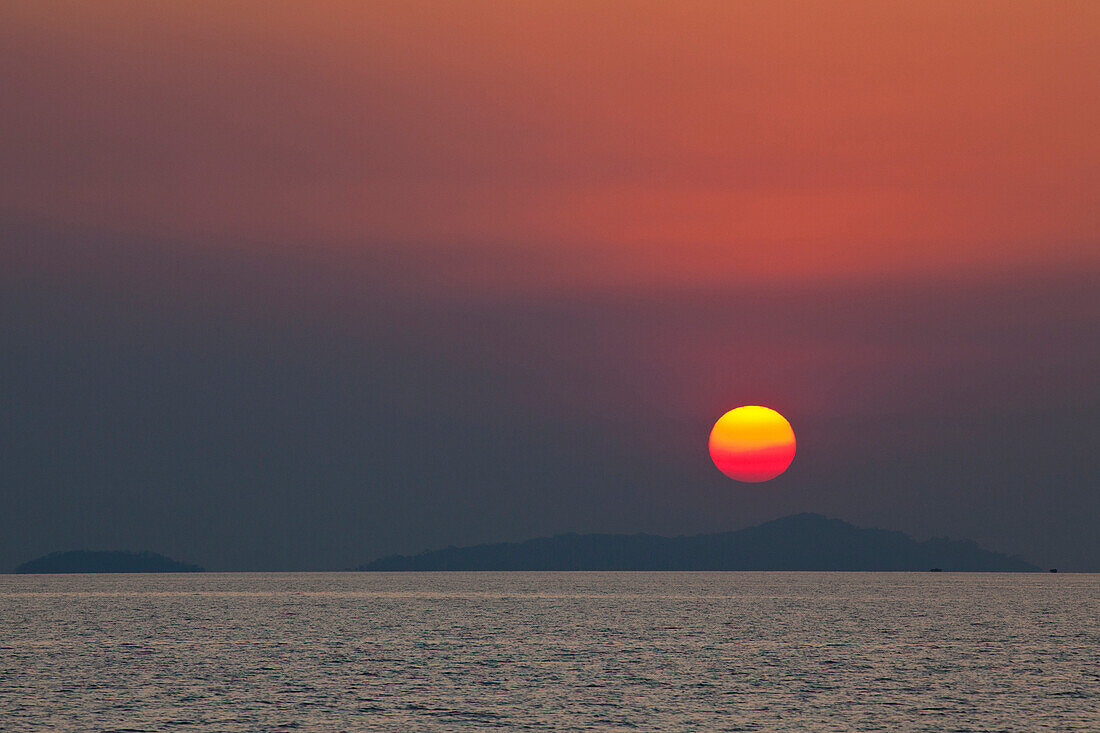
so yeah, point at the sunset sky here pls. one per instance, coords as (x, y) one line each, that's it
(297, 284)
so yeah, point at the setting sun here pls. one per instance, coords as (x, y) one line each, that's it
(752, 444)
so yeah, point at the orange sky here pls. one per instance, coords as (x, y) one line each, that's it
(591, 142)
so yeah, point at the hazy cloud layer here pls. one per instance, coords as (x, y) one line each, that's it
(285, 412)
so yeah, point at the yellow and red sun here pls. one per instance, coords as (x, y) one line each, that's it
(752, 443)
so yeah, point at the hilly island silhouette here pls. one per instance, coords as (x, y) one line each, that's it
(796, 542)
(87, 561)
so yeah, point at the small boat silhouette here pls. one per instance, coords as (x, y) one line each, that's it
(936, 570)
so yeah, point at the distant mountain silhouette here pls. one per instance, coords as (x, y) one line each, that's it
(84, 561)
(797, 542)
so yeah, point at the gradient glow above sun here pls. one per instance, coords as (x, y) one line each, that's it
(752, 444)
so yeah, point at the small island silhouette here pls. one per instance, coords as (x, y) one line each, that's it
(797, 542)
(86, 561)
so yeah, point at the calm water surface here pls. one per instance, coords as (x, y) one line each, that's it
(608, 651)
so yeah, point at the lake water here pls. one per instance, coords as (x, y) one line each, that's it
(552, 651)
